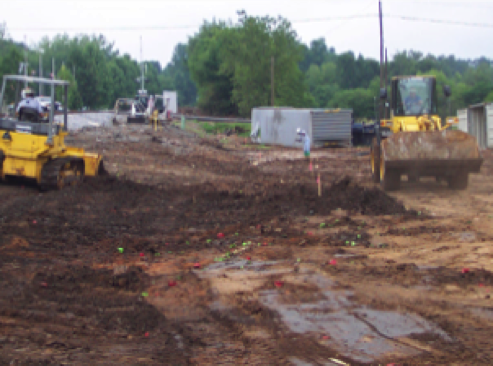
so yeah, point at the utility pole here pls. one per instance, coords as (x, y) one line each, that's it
(272, 81)
(385, 73)
(141, 65)
(381, 50)
(40, 71)
(25, 60)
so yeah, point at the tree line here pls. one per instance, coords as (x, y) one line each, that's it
(226, 68)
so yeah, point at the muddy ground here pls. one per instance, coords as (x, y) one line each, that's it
(209, 251)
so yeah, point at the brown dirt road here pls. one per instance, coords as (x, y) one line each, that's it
(206, 251)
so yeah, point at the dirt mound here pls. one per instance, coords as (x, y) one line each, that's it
(304, 199)
(349, 196)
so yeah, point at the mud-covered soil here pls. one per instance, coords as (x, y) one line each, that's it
(209, 251)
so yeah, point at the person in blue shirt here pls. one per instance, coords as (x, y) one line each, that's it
(412, 101)
(29, 101)
(302, 135)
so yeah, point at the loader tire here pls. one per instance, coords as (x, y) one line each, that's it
(390, 180)
(412, 178)
(459, 182)
(375, 161)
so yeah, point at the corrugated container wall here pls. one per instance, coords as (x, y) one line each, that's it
(278, 125)
(489, 121)
(332, 126)
(477, 125)
(477, 120)
(462, 115)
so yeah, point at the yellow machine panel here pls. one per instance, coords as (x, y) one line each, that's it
(35, 148)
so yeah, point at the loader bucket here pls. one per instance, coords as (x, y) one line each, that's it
(447, 154)
(93, 165)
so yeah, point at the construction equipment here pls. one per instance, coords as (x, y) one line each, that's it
(128, 110)
(139, 107)
(35, 149)
(415, 142)
(134, 111)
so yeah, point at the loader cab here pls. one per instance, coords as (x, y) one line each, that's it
(413, 96)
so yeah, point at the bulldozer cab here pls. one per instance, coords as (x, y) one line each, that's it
(37, 122)
(414, 96)
(35, 149)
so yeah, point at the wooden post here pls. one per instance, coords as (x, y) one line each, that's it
(272, 81)
(381, 53)
(319, 185)
(385, 73)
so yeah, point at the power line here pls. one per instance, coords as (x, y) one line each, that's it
(440, 21)
(308, 20)
(344, 23)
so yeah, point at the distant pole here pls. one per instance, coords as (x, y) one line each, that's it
(381, 48)
(272, 81)
(25, 60)
(386, 75)
(141, 65)
(40, 73)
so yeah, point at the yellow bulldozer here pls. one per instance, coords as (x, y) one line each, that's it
(32, 145)
(414, 141)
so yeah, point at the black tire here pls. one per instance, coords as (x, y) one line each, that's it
(412, 178)
(459, 182)
(375, 161)
(390, 180)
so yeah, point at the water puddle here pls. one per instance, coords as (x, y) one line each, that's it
(353, 330)
(297, 362)
(427, 268)
(351, 256)
(483, 313)
(244, 268)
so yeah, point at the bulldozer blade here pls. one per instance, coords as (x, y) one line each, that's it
(93, 165)
(432, 153)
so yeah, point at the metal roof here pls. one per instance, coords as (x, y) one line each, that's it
(479, 105)
(413, 76)
(30, 79)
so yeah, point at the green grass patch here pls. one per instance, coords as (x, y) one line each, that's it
(242, 129)
(258, 147)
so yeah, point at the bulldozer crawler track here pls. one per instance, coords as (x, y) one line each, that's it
(51, 171)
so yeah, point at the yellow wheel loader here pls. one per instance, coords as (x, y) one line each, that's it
(32, 146)
(415, 142)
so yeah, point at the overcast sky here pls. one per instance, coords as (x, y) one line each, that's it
(175, 20)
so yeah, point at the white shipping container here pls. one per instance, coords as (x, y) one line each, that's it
(278, 125)
(173, 100)
(462, 115)
(477, 120)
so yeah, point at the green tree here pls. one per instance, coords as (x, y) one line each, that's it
(360, 100)
(10, 65)
(74, 99)
(214, 86)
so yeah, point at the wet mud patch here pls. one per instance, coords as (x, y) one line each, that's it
(411, 274)
(311, 308)
(462, 277)
(359, 333)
